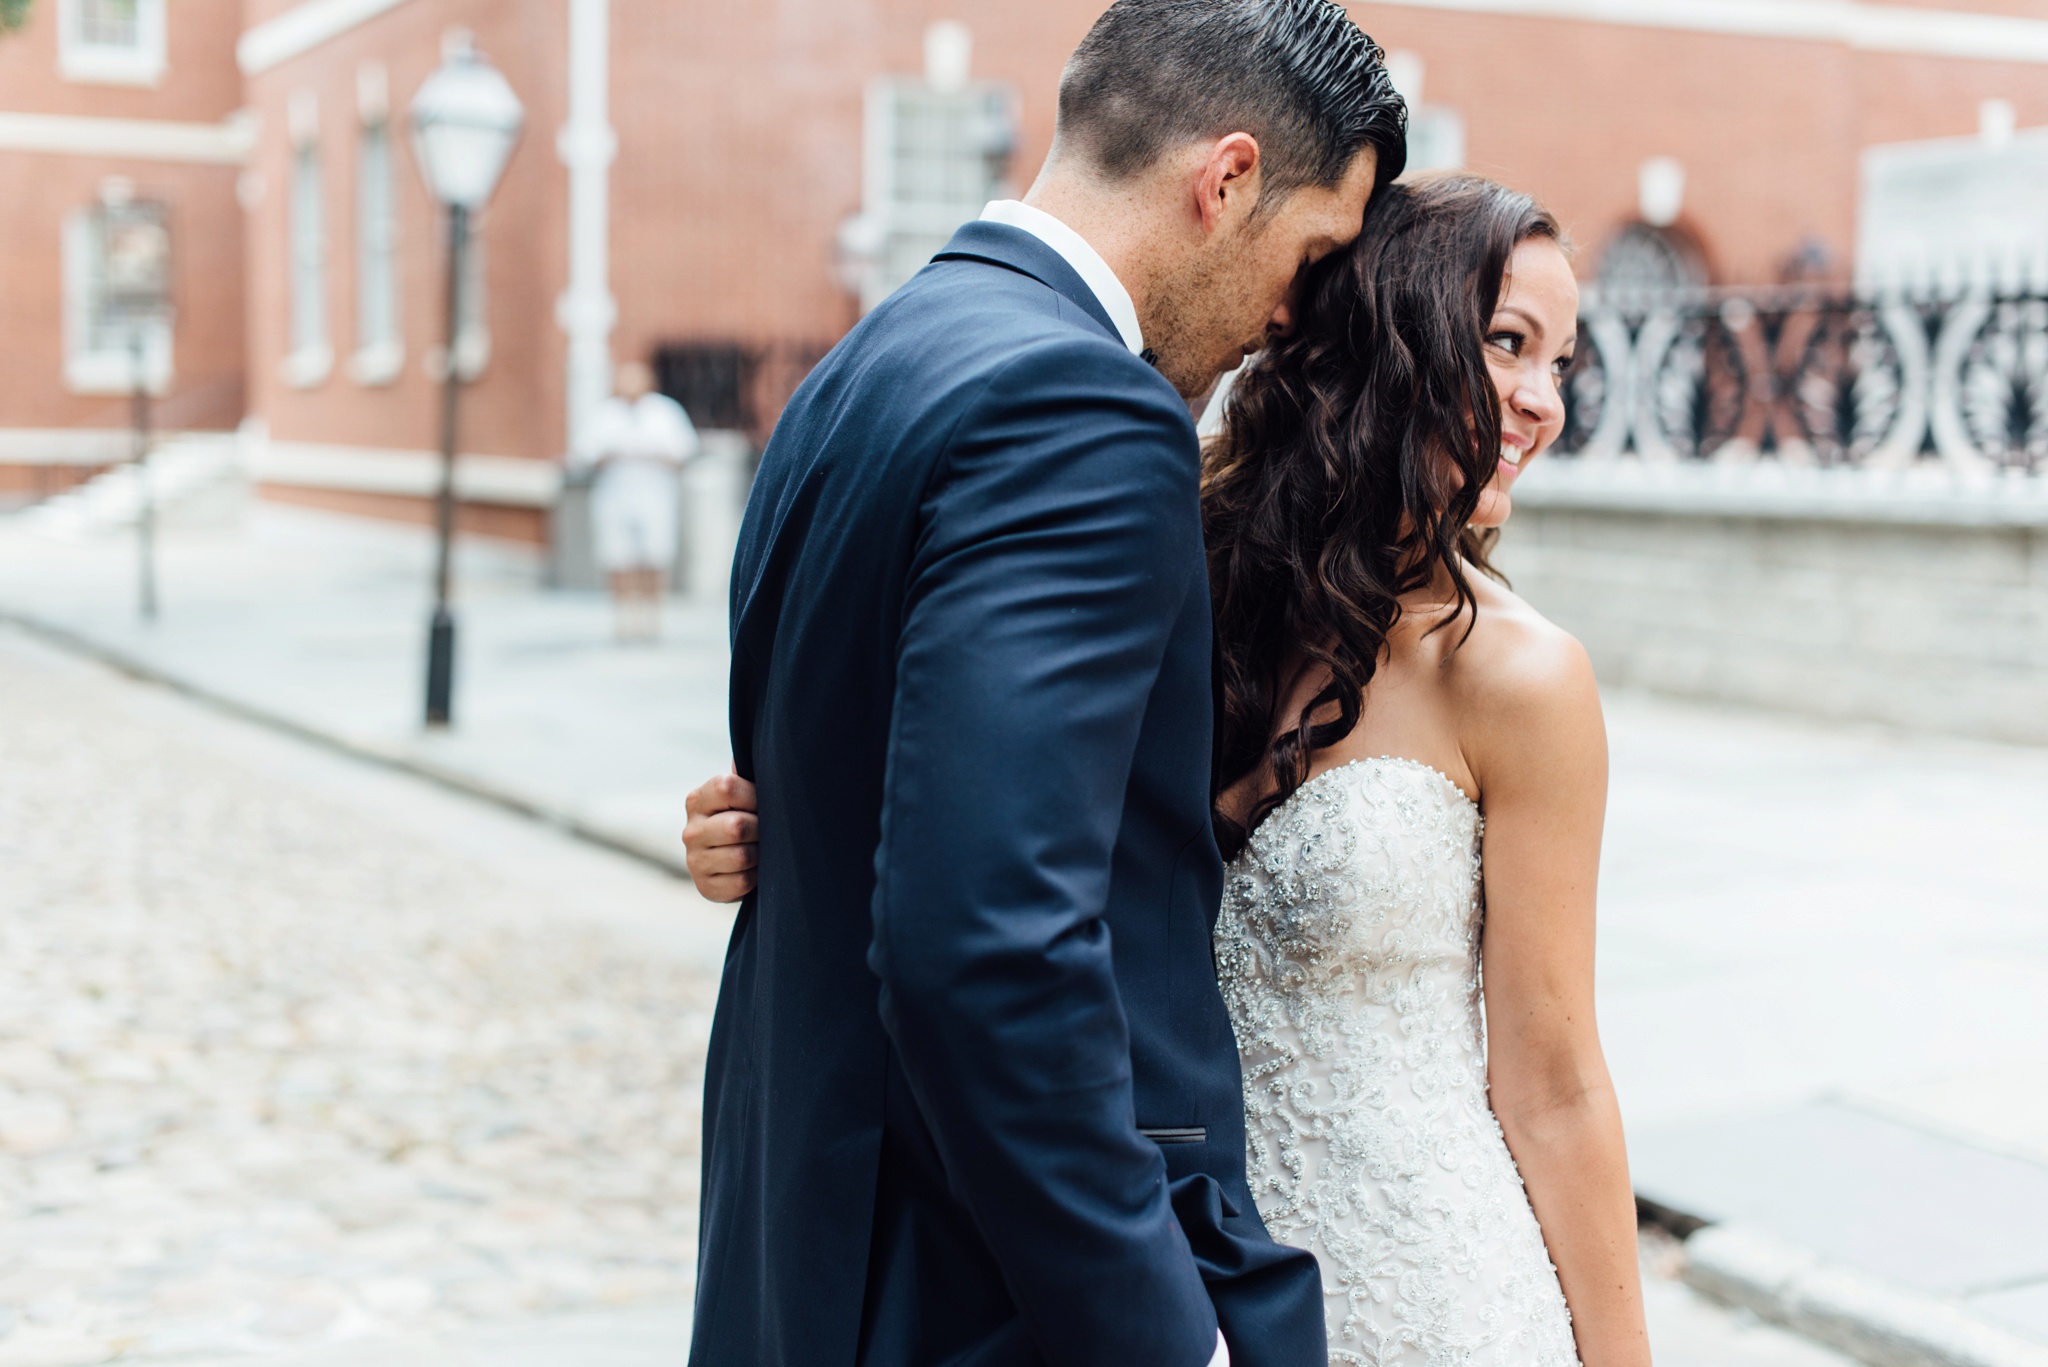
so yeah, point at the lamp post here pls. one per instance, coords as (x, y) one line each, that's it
(465, 120)
(135, 255)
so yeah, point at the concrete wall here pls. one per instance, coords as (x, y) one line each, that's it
(1920, 615)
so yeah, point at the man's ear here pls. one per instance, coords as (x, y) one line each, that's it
(1227, 188)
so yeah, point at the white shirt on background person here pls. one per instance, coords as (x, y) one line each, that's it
(638, 448)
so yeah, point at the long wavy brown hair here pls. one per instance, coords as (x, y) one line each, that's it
(1353, 455)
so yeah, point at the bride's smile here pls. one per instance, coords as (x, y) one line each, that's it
(1530, 343)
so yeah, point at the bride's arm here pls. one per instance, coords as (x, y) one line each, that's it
(1539, 750)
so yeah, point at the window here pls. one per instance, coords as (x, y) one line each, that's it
(713, 381)
(108, 23)
(1436, 139)
(472, 322)
(111, 42)
(380, 353)
(935, 158)
(937, 150)
(312, 355)
(1436, 134)
(1642, 260)
(117, 321)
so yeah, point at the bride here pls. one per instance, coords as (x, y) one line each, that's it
(1413, 771)
(1412, 786)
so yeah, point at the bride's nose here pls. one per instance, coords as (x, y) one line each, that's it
(1537, 400)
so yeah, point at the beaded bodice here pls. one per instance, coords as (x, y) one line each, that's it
(1348, 951)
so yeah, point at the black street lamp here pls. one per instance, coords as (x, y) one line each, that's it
(135, 291)
(465, 120)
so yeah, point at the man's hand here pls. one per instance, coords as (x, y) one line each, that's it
(723, 838)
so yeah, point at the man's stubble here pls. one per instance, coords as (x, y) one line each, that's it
(1205, 319)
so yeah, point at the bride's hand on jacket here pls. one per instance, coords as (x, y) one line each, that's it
(722, 839)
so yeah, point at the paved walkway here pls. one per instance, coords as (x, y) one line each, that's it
(320, 621)
(1824, 989)
(1824, 956)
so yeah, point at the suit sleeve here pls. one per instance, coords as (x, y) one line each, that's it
(1055, 554)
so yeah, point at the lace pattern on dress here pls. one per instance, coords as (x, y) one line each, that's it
(1348, 951)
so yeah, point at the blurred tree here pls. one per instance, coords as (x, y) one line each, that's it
(13, 14)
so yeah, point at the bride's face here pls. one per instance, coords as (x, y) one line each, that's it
(1529, 346)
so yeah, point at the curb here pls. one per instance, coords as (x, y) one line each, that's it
(455, 780)
(1872, 1320)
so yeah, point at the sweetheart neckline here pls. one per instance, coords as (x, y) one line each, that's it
(1430, 769)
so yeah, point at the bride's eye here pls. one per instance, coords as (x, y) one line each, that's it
(1510, 342)
(1563, 365)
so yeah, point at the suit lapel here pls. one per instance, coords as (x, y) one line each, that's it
(999, 244)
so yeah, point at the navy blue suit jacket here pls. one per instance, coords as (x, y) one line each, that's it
(972, 1095)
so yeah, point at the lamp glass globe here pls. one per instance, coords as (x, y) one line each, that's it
(465, 120)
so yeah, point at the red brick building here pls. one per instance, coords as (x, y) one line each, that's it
(718, 186)
(100, 99)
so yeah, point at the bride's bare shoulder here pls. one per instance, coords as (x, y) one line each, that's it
(1518, 668)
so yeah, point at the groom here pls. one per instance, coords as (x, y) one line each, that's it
(972, 1095)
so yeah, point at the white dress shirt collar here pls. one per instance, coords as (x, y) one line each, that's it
(1086, 261)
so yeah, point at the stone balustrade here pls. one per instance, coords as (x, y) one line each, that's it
(1834, 503)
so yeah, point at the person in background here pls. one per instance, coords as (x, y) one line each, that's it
(638, 443)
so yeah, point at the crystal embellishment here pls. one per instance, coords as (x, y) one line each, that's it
(1348, 950)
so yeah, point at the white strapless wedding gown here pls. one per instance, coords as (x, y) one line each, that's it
(1348, 949)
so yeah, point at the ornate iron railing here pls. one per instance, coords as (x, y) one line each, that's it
(1815, 377)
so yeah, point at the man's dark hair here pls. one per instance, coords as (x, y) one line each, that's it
(1298, 75)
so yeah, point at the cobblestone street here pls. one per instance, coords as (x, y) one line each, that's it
(279, 1069)
(308, 1063)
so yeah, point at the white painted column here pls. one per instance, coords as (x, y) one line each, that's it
(587, 146)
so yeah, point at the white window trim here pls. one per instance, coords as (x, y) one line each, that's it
(378, 361)
(377, 364)
(310, 360)
(107, 371)
(1852, 23)
(473, 352)
(74, 135)
(473, 316)
(98, 64)
(1444, 134)
(308, 367)
(472, 319)
(301, 29)
(894, 234)
(513, 481)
